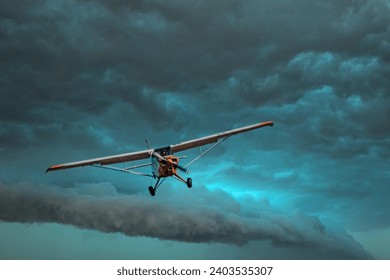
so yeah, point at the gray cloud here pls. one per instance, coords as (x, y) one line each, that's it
(90, 56)
(226, 221)
(81, 79)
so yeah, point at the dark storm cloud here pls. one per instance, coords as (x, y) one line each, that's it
(91, 56)
(97, 206)
(82, 79)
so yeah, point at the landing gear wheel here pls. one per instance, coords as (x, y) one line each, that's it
(189, 182)
(152, 191)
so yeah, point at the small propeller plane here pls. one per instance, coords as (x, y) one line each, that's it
(163, 161)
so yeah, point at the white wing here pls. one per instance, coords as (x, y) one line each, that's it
(215, 137)
(104, 160)
(147, 153)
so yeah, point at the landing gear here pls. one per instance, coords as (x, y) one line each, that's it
(152, 191)
(189, 183)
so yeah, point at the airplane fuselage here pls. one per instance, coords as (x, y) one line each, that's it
(167, 168)
(165, 164)
(161, 168)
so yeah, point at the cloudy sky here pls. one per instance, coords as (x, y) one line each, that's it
(82, 79)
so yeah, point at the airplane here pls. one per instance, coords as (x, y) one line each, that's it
(163, 161)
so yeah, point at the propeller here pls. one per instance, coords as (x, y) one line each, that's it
(160, 157)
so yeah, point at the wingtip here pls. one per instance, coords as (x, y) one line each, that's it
(54, 167)
(268, 123)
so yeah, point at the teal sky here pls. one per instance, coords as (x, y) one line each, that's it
(83, 79)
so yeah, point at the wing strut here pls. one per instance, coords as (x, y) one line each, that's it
(208, 150)
(126, 170)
